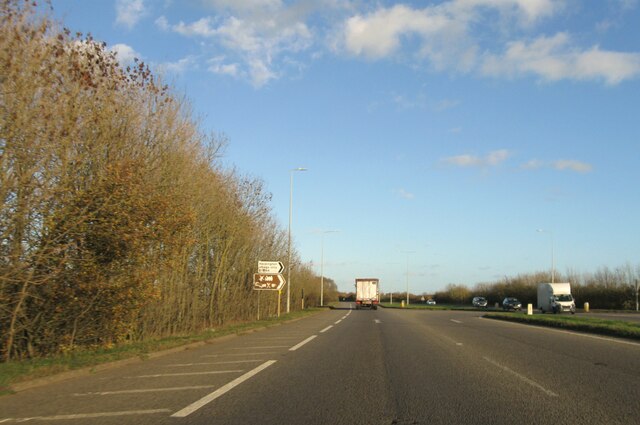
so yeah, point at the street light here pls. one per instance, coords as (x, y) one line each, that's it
(289, 246)
(553, 267)
(408, 252)
(323, 232)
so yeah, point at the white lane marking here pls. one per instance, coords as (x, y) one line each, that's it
(523, 378)
(343, 317)
(295, 347)
(455, 321)
(85, 415)
(149, 390)
(326, 329)
(161, 375)
(459, 344)
(237, 354)
(271, 338)
(338, 321)
(542, 328)
(213, 363)
(220, 391)
(377, 320)
(260, 348)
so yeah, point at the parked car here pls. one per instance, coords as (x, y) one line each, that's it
(431, 302)
(510, 303)
(479, 302)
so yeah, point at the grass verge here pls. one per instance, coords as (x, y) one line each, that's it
(617, 328)
(15, 372)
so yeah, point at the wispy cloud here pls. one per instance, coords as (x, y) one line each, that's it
(255, 38)
(572, 165)
(560, 165)
(492, 159)
(178, 67)
(129, 12)
(404, 194)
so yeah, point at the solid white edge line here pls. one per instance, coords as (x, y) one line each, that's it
(220, 391)
(295, 347)
(326, 329)
(523, 378)
(85, 415)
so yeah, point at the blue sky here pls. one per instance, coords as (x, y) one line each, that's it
(438, 135)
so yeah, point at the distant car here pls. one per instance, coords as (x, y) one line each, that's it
(479, 302)
(511, 304)
(431, 302)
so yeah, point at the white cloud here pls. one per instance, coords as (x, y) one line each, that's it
(262, 40)
(560, 165)
(492, 159)
(528, 10)
(404, 194)
(554, 58)
(452, 34)
(378, 34)
(129, 12)
(533, 164)
(572, 165)
(217, 65)
(255, 43)
(124, 53)
(179, 67)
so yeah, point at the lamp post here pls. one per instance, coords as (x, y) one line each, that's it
(408, 252)
(289, 245)
(553, 267)
(323, 232)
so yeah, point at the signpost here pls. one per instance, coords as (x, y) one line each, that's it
(269, 278)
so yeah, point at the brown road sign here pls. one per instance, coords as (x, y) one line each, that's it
(268, 281)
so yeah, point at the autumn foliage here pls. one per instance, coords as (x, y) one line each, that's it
(116, 221)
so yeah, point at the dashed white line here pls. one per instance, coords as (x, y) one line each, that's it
(148, 390)
(161, 375)
(377, 320)
(295, 347)
(338, 321)
(326, 329)
(213, 363)
(523, 378)
(260, 348)
(220, 391)
(237, 354)
(455, 321)
(85, 415)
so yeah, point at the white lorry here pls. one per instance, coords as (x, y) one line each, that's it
(367, 293)
(556, 298)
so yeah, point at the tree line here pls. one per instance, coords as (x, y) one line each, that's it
(605, 288)
(117, 221)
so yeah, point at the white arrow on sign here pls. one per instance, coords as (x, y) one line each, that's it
(270, 267)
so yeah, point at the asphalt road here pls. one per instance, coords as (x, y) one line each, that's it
(360, 367)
